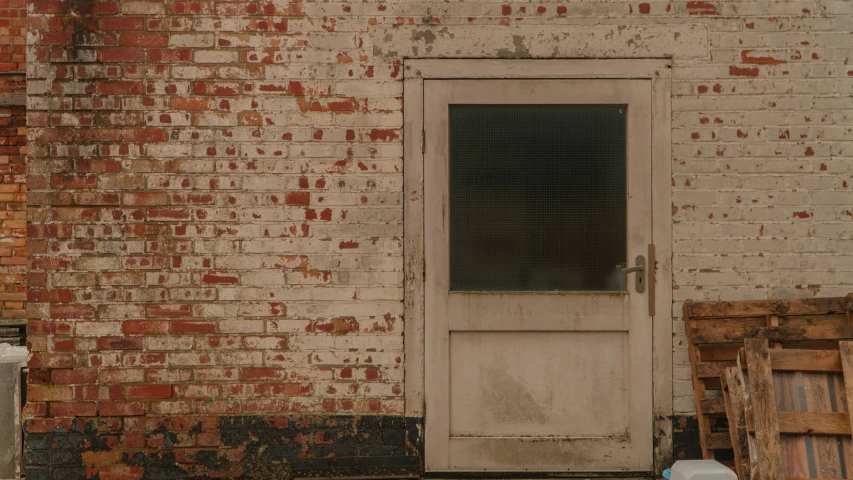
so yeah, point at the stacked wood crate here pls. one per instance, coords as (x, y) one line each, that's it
(793, 398)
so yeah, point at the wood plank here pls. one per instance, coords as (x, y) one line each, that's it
(785, 333)
(829, 318)
(811, 423)
(799, 333)
(718, 440)
(734, 401)
(718, 353)
(818, 389)
(758, 322)
(792, 360)
(752, 308)
(712, 369)
(714, 404)
(722, 334)
(698, 387)
(799, 453)
(763, 403)
(846, 354)
(709, 330)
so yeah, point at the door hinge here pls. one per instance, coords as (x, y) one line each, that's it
(423, 141)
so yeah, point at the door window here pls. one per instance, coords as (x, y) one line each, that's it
(537, 197)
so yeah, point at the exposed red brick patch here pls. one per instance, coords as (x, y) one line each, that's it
(736, 71)
(219, 279)
(297, 198)
(759, 60)
(701, 8)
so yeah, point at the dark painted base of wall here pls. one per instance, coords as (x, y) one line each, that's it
(249, 447)
(685, 438)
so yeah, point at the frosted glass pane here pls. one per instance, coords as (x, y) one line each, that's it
(537, 197)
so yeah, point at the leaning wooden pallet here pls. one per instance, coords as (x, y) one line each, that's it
(716, 331)
(795, 417)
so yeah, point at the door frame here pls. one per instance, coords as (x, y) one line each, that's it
(415, 71)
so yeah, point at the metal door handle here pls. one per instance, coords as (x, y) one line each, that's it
(640, 270)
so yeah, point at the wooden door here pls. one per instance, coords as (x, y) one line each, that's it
(538, 349)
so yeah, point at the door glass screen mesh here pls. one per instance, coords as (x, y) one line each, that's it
(537, 197)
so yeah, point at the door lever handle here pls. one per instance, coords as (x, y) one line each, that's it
(640, 270)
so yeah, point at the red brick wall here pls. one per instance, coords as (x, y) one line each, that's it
(13, 150)
(13, 42)
(215, 187)
(13, 254)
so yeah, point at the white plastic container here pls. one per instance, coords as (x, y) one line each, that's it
(701, 470)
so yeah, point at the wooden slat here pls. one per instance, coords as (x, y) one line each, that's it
(824, 449)
(719, 353)
(698, 388)
(713, 405)
(754, 308)
(845, 350)
(709, 330)
(762, 321)
(733, 330)
(785, 333)
(763, 403)
(791, 360)
(712, 369)
(811, 423)
(723, 334)
(735, 405)
(718, 440)
(799, 333)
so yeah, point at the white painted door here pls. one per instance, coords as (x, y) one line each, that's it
(538, 348)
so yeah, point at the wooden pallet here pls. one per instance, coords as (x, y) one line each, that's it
(794, 412)
(716, 331)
